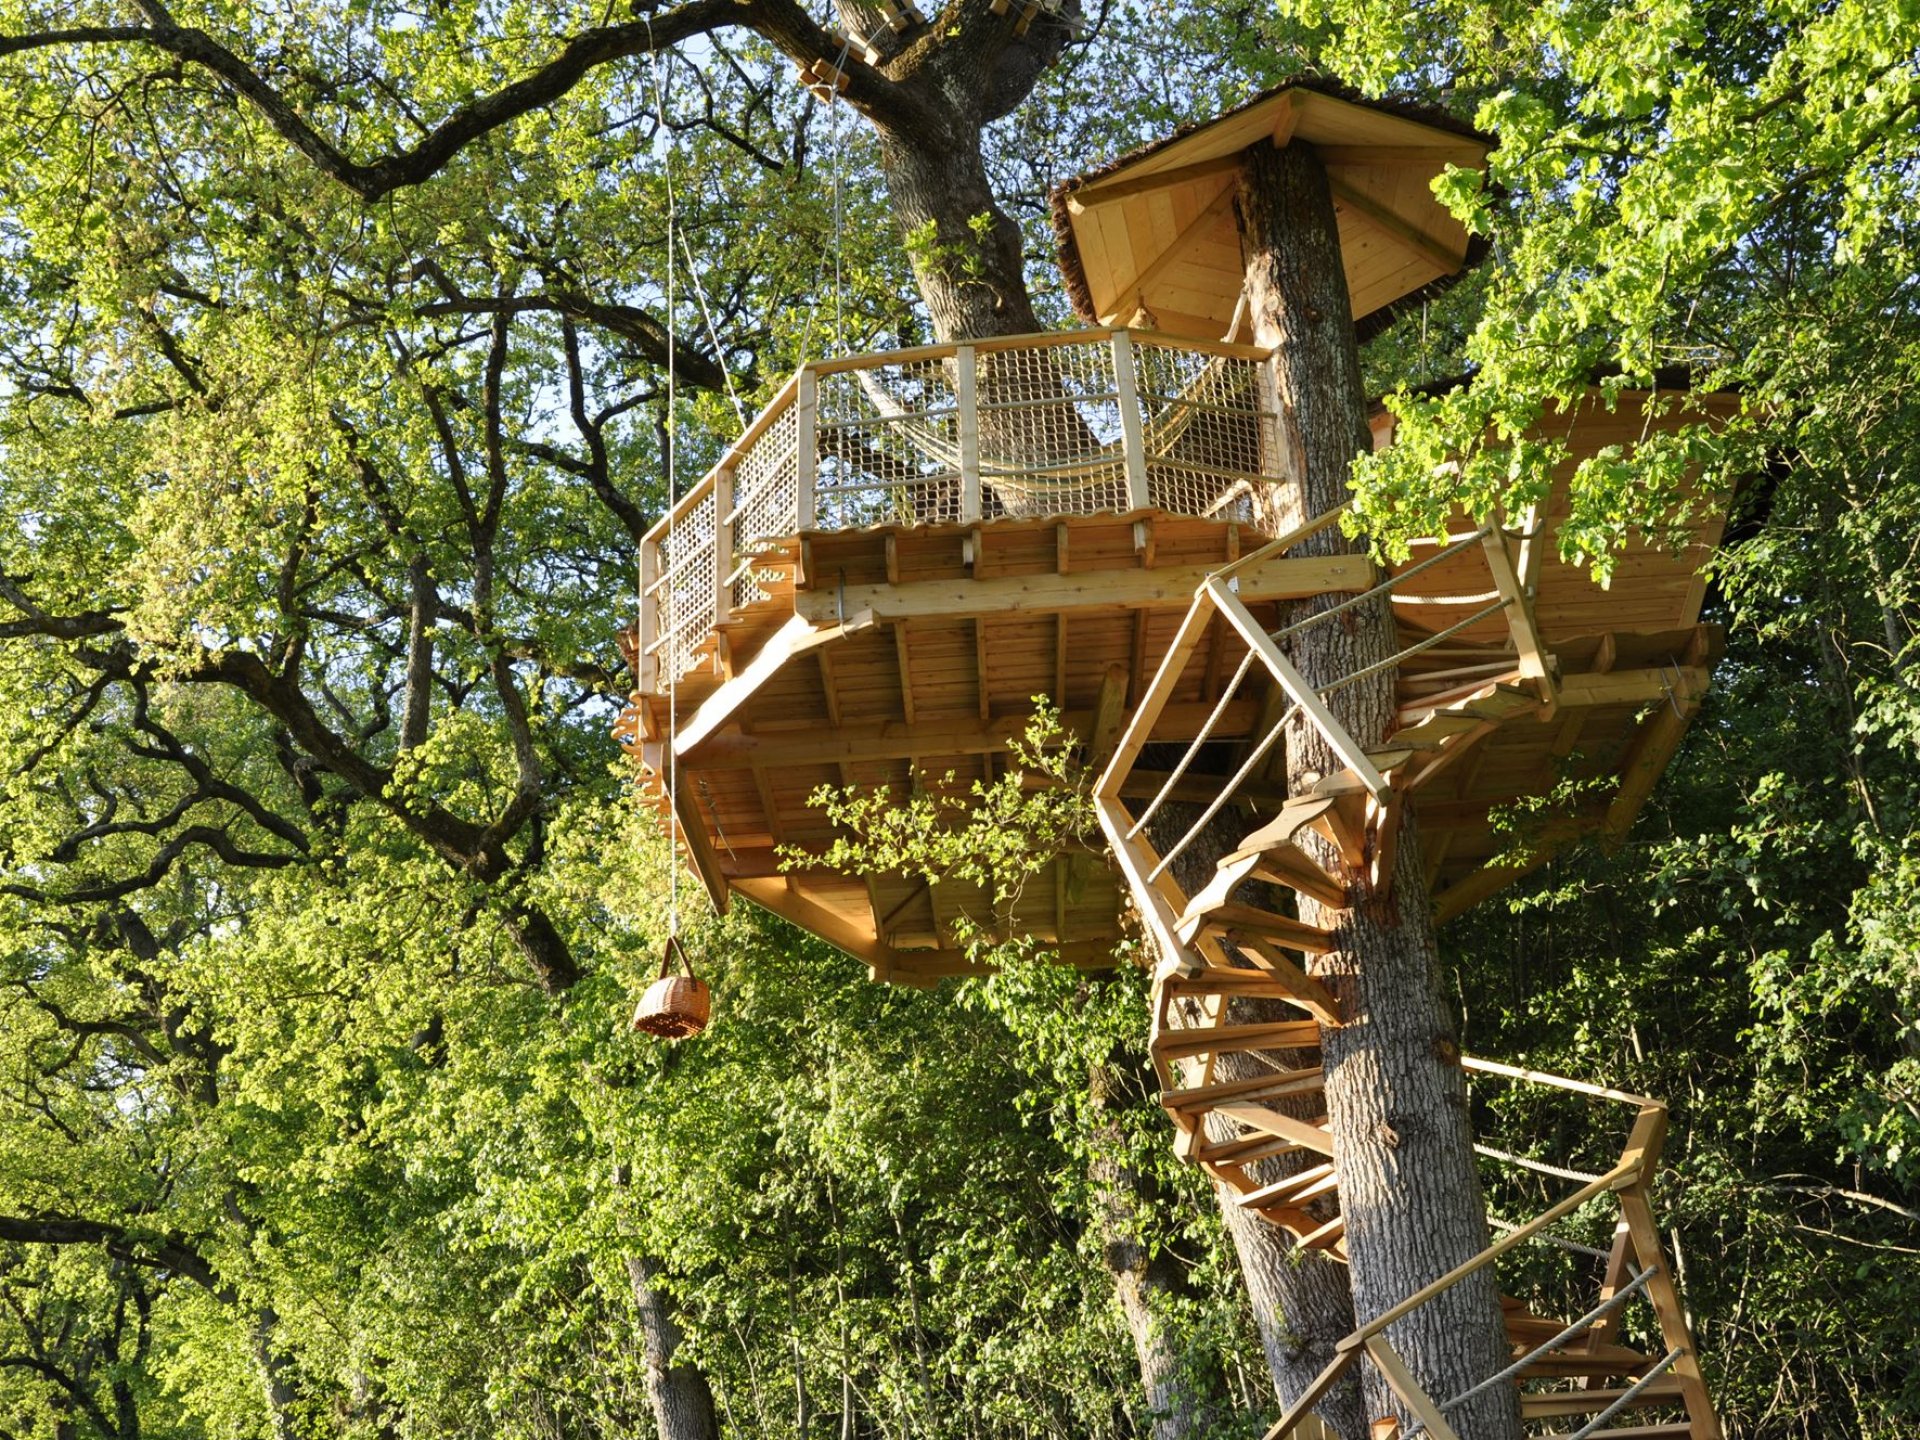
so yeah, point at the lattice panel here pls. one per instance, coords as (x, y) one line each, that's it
(766, 490)
(889, 446)
(1050, 439)
(1207, 431)
(686, 591)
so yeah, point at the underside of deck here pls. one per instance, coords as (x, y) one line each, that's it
(892, 657)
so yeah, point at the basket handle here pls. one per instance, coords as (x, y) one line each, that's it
(674, 947)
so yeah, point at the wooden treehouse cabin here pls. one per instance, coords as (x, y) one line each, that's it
(905, 549)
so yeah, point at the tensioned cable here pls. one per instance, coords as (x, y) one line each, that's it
(713, 335)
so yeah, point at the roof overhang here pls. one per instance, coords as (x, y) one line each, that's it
(1156, 231)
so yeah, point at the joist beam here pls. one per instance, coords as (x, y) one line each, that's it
(1686, 683)
(772, 893)
(1109, 714)
(1104, 590)
(891, 740)
(796, 637)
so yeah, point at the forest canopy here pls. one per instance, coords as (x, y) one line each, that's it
(342, 349)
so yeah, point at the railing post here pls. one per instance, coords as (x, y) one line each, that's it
(966, 400)
(806, 446)
(1132, 437)
(649, 663)
(722, 546)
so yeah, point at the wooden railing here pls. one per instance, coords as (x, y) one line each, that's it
(1074, 423)
(1636, 1244)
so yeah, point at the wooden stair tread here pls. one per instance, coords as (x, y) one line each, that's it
(1227, 878)
(1260, 1087)
(1294, 816)
(1283, 1190)
(1305, 1133)
(1277, 1035)
(1216, 980)
(1551, 1404)
(1325, 1235)
(1345, 782)
(1604, 1360)
(1500, 701)
(1294, 934)
(1243, 1152)
(1628, 1432)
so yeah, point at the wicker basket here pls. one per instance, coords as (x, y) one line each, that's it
(675, 1006)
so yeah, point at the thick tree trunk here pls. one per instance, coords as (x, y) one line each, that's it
(276, 1373)
(682, 1403)
(965, 250)
(1395, 1093)
(1184, 1389)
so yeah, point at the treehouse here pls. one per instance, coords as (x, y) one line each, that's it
(905, 549)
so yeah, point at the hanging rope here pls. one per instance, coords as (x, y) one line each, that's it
(672, 776)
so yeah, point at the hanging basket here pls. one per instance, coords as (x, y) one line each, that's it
(675, 1006)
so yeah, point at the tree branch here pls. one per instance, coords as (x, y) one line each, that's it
(370, 180)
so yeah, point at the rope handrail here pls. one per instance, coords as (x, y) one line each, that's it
(1593, 1317)
(1632, 1393)
(1258, 754)
(1392, 661)
(1206, 730)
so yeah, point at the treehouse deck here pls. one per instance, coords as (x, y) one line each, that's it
(904, 550)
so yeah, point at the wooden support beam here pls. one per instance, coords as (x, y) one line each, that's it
(1686, 683)
(903, 656)
(1106, 590)
(1408, 236)
(692, 829)
(1109, 714)
(763, 787)
(891, 740)
(1133, 445)
(1060, 661)
(964, 363)
(1137, 681)
(1647, 761)
(772, 893)
(1302, 989)
(796, 637)
(1119, 188)
(1672, 1318)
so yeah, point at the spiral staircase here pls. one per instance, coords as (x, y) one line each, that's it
(1263, 1137)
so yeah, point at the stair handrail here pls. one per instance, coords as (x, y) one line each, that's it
(1634, 1172)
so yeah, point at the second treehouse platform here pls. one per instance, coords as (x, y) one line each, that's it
(906, 549)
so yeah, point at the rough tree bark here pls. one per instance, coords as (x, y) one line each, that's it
(681, 1399)
(1185, 1391)
(1395, 1092)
